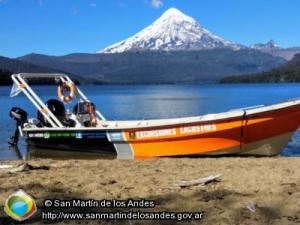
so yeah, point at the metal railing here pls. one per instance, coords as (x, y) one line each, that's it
(19, 80)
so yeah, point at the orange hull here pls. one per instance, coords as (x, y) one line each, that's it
(267, 132)
(254, 131)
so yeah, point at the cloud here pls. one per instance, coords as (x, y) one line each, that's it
(74, 12)
(156, 3)
(93, 4)
(121, 5)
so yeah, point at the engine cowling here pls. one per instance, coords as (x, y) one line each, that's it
(19, 115)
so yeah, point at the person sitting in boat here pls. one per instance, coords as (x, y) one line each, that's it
(85, 112)
(59, 110)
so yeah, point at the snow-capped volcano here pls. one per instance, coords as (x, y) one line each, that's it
(172, 31)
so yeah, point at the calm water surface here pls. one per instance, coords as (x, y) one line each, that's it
(153, 101)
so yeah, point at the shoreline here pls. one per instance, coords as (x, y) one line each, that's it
(270, 185)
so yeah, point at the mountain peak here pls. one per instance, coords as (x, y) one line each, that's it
(173, 11)
(172, 31)
(173, 15)
(271, 44)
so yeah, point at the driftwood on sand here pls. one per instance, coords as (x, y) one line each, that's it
(200, 181)
(6, 166)
(252, 206)
(26, 167)
(22, 167)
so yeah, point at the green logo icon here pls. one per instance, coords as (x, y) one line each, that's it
(20, 206)
(46, 135)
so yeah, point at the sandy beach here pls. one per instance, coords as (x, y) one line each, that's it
(250, 190)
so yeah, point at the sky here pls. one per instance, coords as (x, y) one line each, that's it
(58, 27)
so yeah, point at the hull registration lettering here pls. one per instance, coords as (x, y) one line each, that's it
(198, 129)
(173, 131)
(156, 133)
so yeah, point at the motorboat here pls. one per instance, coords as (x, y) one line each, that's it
(253, 131)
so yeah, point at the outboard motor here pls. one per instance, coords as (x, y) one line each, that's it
(20, 116)
(58, 109)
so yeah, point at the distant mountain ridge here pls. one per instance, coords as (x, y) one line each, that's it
(9, 66)
(160, 67)
(173, 31)
(266, 46)
(19, 66)
(271, 47)
(288, 72)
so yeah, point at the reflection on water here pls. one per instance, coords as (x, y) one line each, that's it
(179, 99)
(17, 152)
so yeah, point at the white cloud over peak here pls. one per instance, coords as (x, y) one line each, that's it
(93, 4)
(156, 3)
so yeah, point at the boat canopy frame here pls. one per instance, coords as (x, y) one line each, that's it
(20, 80)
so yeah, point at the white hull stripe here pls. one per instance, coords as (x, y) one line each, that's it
(123, 149)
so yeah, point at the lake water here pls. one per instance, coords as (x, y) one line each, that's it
(153, 101)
